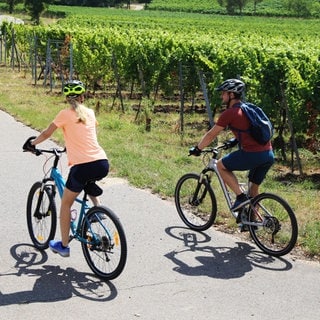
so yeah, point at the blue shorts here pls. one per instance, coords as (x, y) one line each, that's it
(258, 163)
(82, 173)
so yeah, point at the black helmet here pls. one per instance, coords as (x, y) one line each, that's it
(232, 85)
(74, 88)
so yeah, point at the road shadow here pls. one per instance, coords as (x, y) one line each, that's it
(52, 283)
(198, 258)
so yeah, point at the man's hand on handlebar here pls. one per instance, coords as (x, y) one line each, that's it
(31, 148)
(230, 143)
(194, 151)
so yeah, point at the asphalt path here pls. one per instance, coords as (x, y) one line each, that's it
(171, 271)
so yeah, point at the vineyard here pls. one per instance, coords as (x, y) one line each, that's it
(272, 8)
(152, 54)
(266, 7)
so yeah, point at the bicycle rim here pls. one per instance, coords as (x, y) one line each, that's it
(279, 231)
(105, 246)
(41, 216)
(195, 202)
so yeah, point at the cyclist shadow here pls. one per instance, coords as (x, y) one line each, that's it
(197, 258)
(52, 283)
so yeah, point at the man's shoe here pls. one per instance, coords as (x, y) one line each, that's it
(240, 202)
(56, 247)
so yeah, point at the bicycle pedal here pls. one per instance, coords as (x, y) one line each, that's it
(242, 216)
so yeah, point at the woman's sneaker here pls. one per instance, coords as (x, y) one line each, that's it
(56, 247)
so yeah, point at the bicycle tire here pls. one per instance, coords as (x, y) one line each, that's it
(279, 231)
(104, 246)
(198, 213)
(42, 224)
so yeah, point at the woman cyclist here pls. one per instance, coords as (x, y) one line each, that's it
(87, 159)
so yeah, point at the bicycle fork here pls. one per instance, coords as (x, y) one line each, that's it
(197, 197)
(37, 213)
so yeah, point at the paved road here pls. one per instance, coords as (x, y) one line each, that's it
(171, 273)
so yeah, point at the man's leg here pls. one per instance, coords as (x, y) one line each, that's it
(229, 178)
(253, 189)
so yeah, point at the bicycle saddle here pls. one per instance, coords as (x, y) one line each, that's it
(92, 189)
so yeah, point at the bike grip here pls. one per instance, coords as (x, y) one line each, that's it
(27, 144)
(194, 151)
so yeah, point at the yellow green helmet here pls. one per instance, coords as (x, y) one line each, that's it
(74, 88)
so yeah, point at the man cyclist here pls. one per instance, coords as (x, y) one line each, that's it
(250, 156)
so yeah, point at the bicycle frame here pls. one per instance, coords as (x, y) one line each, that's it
(212, 167)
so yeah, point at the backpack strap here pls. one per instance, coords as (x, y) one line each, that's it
(237, 129)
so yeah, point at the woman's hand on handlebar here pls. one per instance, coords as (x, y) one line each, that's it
(27, 146)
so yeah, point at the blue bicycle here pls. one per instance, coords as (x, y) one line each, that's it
(98, 228)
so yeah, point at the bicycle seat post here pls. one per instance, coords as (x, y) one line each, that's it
(85, 197)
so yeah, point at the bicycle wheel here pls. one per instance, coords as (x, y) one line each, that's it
(195, 202)
(41, 215)
(278, 232)
(104, 245)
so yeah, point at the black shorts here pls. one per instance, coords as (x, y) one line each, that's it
(82, 173)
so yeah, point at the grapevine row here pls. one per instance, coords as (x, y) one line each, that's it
(270, 59)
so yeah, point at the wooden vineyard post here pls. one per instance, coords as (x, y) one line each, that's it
(206, 98)
(293, 139)
(181, 97)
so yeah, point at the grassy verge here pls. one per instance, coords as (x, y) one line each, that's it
(156, 159)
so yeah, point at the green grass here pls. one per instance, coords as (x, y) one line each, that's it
(155, 160)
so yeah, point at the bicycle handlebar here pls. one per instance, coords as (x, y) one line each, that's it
(55, 151)
(28, 147)
(226, 145)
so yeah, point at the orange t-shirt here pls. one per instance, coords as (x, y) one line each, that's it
(80, 139)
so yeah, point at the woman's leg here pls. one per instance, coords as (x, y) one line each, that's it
(66, 203)
(95, 200)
